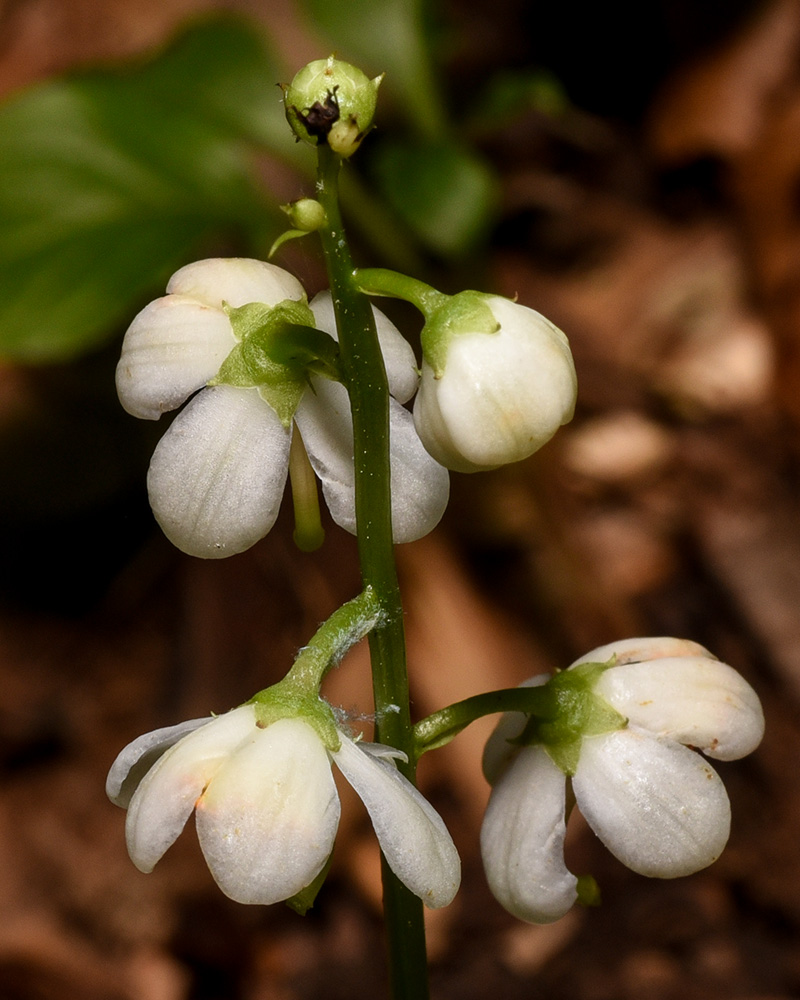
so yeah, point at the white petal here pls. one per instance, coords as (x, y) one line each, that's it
(268, 819)
(171, 349)
(420, 486)
(217, 476)
(412, 835)
(522, 840)
(138, 757)
(326, 427)
(644, 649)
(690, 699)
(499, 749)
(167, 794)
(398, 356)
(656, 805)
(433, 428)
(236, 281)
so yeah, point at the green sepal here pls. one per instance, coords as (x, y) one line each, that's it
(257, 318)
(279, 349)
(302, 901)
(465, 313)
(576, 712)
(288, 700)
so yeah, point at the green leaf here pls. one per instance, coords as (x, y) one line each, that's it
(445, 193)
(109, 181)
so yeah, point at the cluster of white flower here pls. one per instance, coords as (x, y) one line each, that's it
(497, 380)
(267, 809)
(217, 476)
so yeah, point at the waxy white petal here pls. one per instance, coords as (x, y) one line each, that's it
(138, 757)
(267, 821)
(656, 805)
(499, 747)
(167, 794)
(691, 699)
(522, 839)
(171, 349)
(217, 476)
(643, 650)
(420, 486)
(398, 356)
(412, 835)
(235, 281)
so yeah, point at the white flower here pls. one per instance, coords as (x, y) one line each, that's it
(217, 476)
(655, 803)
(496, 397)
(266, 805)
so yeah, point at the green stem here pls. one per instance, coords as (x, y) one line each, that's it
(365, 378)
(439, 728)
(380, 281)
(345, 627)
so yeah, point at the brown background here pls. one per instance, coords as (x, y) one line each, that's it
(658, 223)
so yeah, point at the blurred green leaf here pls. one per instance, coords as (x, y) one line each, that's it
(509, 95)
(445, 193)
(108, 181)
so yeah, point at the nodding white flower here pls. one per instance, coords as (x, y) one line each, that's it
(651, 799)
(494, 388)
(217, 476)
(266, 805)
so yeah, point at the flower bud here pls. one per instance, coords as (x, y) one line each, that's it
(330, 101)
(498, 381)
(306, 214)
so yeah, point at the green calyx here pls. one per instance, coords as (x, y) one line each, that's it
(331, 102)
(465, 313)
(278, 350)
(289, 700)
(576, 711)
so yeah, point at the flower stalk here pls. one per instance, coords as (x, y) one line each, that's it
(364, 376)
(438, 729)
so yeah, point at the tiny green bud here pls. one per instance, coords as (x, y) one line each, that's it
(330, 101)
(306, 214)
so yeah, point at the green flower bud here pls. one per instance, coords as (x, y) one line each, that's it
(330, 101)
(306, 214)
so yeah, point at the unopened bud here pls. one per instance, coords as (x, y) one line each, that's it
(306, 214)
(332, 102)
